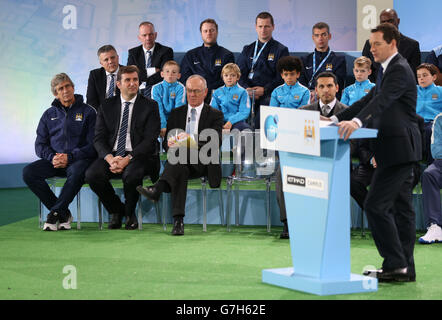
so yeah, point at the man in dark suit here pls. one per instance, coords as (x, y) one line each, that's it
(102, 81)
(326, 89)
(391, 106)
(408, 48)
(195, 119)
(126, 142)
(149, 57)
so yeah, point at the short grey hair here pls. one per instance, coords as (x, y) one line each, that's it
(105, 48)
(57, 79)
(199, 77)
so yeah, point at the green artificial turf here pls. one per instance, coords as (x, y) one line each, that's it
(152, 264)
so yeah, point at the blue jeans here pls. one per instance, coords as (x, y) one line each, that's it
(36, 173)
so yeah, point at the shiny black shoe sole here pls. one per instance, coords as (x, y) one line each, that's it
(149, 195)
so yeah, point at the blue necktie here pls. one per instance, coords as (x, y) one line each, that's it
(121, 146)
(192, 123)
(110, 93)
(149, 59)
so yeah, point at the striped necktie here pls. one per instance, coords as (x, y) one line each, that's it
(110, 92)
(121, 146)
(148, 59)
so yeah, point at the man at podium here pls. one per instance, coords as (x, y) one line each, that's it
(391, 106)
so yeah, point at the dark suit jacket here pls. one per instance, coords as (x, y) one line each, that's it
(408, 48)
(209, 118)
(392, 108)
(315, 107)
(160, 55)
(96, 87)
(144, 127)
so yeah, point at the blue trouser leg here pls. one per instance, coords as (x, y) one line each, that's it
(431, 185)
(241, 125)
(74, 181)
(35, 175)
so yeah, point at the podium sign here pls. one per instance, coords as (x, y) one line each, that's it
(317, 198)
(290, 130)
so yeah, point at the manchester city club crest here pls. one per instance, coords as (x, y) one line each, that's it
(217, 62)
(79, 117)
(271, 57)
(235, 97)
(172, 95)
(329, 67)
(309, 132)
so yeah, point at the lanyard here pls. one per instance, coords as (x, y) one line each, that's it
(255, 57)
(319, 67)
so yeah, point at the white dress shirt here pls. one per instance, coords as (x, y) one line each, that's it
(108, 81)
(131, 107)
(150, 71)
(189, 115)
(331, 105)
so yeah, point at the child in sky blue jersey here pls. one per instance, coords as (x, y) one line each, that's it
(232, 99)
(291, 94)
(170, 93)
(362, 86)
(429, 100)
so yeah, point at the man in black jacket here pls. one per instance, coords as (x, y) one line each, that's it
(407, 47)
(391, 106)
(192, 121)
(102, 81)
(126, 135)
(149, 57)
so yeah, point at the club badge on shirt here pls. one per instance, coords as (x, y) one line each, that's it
(271, 57)
(79, 117)
(366, 90)
(172, 95)
(217, 62)
(434, 96)
(329, 67)
(296, 97)
(235, 97)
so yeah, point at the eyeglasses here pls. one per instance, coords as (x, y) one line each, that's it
(194, 91)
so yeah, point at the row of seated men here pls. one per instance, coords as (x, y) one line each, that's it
(290, 74)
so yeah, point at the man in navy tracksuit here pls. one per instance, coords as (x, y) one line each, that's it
(322, 59)
(207, 60)
(64, 143)
(257, 63)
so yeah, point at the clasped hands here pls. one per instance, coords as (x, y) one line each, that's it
(117, 164)
(259, 92)
(60, 160)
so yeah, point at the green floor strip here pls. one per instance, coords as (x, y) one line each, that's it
(152, 264)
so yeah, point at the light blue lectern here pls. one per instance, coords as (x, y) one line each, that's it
(319, 219)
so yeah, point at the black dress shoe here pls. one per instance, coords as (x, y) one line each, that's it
(178, 227)
(394, 275)
(131, 223)
(150, 193)
(115, 222)
(285, 232)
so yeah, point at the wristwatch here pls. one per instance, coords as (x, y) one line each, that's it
(129, 156)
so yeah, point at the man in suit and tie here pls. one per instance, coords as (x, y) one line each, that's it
(407, 47)
(391, 106)
(194, 118)
(126, 134)
(326, 89)
(149, 57)
(102, 81)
